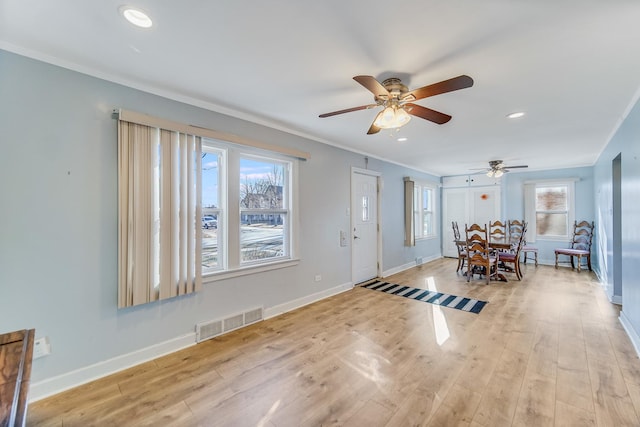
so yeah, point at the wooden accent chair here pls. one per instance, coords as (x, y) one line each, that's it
(580, 244)
(526, 248)
(511, 259)
(462, 248)
(479, 257)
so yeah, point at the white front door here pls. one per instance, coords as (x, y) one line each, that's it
(364, 225)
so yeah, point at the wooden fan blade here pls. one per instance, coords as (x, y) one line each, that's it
(348, 110)
(373, 129)
(445, 86)
(427, 113)
(373, 86)
(516, 167)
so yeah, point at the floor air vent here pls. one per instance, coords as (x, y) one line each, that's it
(213, 328)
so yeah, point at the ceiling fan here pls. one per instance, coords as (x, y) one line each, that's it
(497, 168)
(397, 101)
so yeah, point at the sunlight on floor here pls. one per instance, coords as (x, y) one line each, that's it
(370, 366)
(265, 421)
(439, 321)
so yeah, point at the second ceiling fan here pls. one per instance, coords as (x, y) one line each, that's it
(497, 168)
(397, 101)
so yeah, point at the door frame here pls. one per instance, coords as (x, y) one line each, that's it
(352, 210)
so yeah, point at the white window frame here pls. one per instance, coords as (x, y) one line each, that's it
(419, 211)
(229, 229)
(221, 211)
(285, 210)
(531, 211)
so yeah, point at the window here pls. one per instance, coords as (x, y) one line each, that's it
(264, 209)
(213, 208)
(190, 204)
(249, 197)
(549, 210)
(424, 210)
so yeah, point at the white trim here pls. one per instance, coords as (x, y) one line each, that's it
(42, 389)
(306, 300)
(249, 269)
(409, 265)
(633, 335)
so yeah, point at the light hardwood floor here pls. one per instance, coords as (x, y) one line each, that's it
(546, 351)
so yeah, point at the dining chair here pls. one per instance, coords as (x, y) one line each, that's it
(580, 246)
(517, 226)
(514, 230)
(462, 248)
(479, 258)
(497, 231)
(511, 259)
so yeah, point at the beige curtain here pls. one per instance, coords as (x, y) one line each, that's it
(409, 213)
(159, 209)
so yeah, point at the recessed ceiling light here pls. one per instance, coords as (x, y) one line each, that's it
(515, 115)
(403, 139)
(136, 17)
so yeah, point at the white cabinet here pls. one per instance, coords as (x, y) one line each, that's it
(475, 180)
(467, 204)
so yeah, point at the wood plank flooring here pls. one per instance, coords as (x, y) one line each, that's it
(546, 351)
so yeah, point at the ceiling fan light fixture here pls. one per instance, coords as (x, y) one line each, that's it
(385, 118)
(490, 173)
(391, 118)
(498, 173)
(402, 117)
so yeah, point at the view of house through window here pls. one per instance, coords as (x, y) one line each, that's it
(246, 208)
(552, 210)
(263, 209)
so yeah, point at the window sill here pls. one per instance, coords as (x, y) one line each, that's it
(553, 239)
(247, 270)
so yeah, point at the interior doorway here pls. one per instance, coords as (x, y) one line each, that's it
(616, 179)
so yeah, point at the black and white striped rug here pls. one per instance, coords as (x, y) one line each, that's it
(432, 297)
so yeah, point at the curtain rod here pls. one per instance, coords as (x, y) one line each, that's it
(145, 119)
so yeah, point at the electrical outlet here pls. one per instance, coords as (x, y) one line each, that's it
(41, 347)
(318, 277)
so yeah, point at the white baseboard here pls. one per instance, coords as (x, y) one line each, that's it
(306, 300)
(50, 386)
(408, 265)
(633, 335)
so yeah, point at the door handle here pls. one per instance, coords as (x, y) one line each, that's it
(355, 237)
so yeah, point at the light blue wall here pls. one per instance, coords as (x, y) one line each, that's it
(58, 222)
(396, 254)
(626, 142)
(513, 201)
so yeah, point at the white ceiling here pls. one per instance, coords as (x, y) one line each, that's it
(572, 66)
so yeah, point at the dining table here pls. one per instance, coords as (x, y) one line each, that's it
(498, 245)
